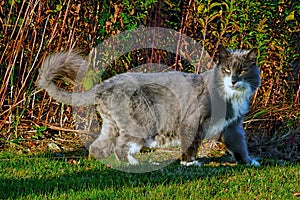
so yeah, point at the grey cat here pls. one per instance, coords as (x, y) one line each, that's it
(161, 109)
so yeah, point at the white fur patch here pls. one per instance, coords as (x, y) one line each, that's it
(155, 163)
(132, 160)
(154, 144)
(193, 163)
(151, 143)
(133, 148)
(229, 92)
(239, 96)
(241, 90)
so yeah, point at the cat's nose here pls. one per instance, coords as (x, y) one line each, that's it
(234, 80)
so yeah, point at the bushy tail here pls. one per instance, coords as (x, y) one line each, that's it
(67, 66)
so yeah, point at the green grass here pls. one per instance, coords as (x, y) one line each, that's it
(48, 177)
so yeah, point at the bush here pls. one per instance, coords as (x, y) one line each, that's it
(33, 29)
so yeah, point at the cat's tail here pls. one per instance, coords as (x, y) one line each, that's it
(70, 67)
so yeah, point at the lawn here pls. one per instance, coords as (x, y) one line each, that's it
(51, 177)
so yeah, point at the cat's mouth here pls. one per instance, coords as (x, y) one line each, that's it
(237, 86)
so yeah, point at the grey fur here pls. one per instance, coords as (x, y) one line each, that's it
(159, 109)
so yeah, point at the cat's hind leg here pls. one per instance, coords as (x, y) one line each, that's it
(190, 141)
(103, 146)
(126, 147)
(234, 139)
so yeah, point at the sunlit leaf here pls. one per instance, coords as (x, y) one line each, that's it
(90, 80)
(59, 7)
(291, 16)
(201, 8)
(201, 20)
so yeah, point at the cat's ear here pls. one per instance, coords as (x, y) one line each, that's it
(223, 53)
(252, 54)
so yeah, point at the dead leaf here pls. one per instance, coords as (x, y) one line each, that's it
(297, 194)
(72, 162)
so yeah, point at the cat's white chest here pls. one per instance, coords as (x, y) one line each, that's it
(238, 108)
(214, 129)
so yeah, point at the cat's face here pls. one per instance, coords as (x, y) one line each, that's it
(238, 71)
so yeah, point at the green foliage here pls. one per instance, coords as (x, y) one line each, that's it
(12, 2)
(39, 131)
(90, 79)
(58, 7)
(32, 32)
(119, 16)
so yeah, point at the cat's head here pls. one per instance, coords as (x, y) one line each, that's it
(238, 71)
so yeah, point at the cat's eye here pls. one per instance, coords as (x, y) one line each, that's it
(243, 72)
(226, 70)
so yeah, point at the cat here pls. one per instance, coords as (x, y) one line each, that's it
(160, 109)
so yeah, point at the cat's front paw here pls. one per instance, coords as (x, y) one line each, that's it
(192, 163)
(254, 162)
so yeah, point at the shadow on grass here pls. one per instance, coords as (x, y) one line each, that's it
(47, 175)
(51, 175)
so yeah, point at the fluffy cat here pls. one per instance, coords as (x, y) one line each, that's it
(160, 109)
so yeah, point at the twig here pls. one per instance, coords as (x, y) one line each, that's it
(22, 100)
(65, 129)
(36, 57)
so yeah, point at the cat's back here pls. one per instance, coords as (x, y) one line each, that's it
(186, 88)
(173, 80)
